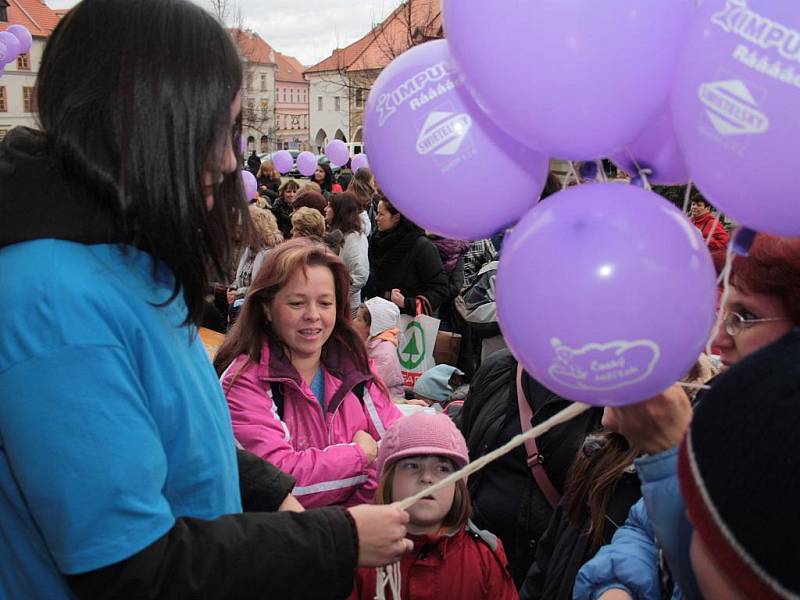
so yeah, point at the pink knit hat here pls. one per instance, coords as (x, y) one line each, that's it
(422, 434)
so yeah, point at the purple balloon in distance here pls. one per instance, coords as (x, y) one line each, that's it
(579, 80)
(734, 103)
(9, 47)
(359, 161)
(606, 293)
(282, 161)
(431, 149)
(656, 149)
(338, 153)
(250, 185)
(23, 36)
(306, 163)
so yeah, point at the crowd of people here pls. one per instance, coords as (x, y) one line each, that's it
(133, 466)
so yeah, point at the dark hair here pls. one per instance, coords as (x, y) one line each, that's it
(696, 196)
(404, 222)
(327, 183)
(252, 328)
(132, 114)
(459, 513)
(346, 213)
(591, 482)
(361, 186)
(772, 268)
(311, 199)
(288, 186)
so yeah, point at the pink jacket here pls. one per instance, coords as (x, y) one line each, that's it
(315, 448)
(387, 365)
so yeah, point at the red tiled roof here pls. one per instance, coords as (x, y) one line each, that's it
(253, 47)
(386, 40)
(35, 15)
(289, 69)
(391, 37)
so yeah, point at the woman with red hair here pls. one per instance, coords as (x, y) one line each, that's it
(297, 378)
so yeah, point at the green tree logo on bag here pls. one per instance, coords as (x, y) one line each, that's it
(413, 353)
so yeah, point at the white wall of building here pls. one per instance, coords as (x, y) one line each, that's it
(14, 80)
(328, 87)
(258, 90)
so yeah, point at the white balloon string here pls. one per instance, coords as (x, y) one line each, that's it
(571, 172)
(726, 279)
(391, 576)
(601, 171)
(694, 386)
(573, 410)
(643, 173)
(687, 197)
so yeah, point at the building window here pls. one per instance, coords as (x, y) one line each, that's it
(249, 81)
(24, 62)
(3, 101)
(28, 100)
(264, 109)
(319, 103)
(337, 103)
(263, 82)
(284, 94)
(359, 98)
(251, 111)
(3, 11)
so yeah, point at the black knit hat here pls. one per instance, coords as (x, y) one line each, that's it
(739, 469)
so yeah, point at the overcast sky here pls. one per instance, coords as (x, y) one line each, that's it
(307, 29)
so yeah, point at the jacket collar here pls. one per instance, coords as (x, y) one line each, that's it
(337, 361)
(38, 200)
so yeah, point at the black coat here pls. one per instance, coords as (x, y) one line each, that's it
(405, 259)
(564, 549)
(505, 496)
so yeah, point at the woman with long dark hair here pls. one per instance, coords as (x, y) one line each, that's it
(118, 471)
(323, 177)
(343, 214)
(298, 381)
(403, 263)
(363, 186)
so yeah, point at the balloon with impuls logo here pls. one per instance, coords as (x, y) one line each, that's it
(435, 154)
(606, 293)
(735, 106)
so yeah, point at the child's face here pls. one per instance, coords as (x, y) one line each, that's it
(360, 324)
(419, 472)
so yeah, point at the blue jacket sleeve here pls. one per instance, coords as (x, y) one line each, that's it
(662, 496)
(629, 562)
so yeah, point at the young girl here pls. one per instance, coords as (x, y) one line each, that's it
(451, 557)
(378, 323)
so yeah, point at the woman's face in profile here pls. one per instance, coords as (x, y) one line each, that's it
(229, 162)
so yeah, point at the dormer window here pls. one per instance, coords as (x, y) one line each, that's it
(3, 11)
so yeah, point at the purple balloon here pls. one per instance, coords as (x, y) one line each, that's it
(282, 161)
(9, 47)
(359, 161)
(338, 153)
(306, 163)
(656, 149)
(250, 185)
(606, 293)
(23, 37)
(735, 101)
(431, 149)
(577, 81)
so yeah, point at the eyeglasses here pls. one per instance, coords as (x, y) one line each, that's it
(735, 323)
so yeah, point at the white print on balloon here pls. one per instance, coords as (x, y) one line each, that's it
(443, 133)
(737, 18)
(415, 85)
(732, 108)
(760, 62)
(603, 367)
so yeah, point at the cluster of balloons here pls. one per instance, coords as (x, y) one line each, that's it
(14, 41)
(606, 293)
(337, 152)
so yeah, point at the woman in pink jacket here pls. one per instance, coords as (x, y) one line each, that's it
(298, 381)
